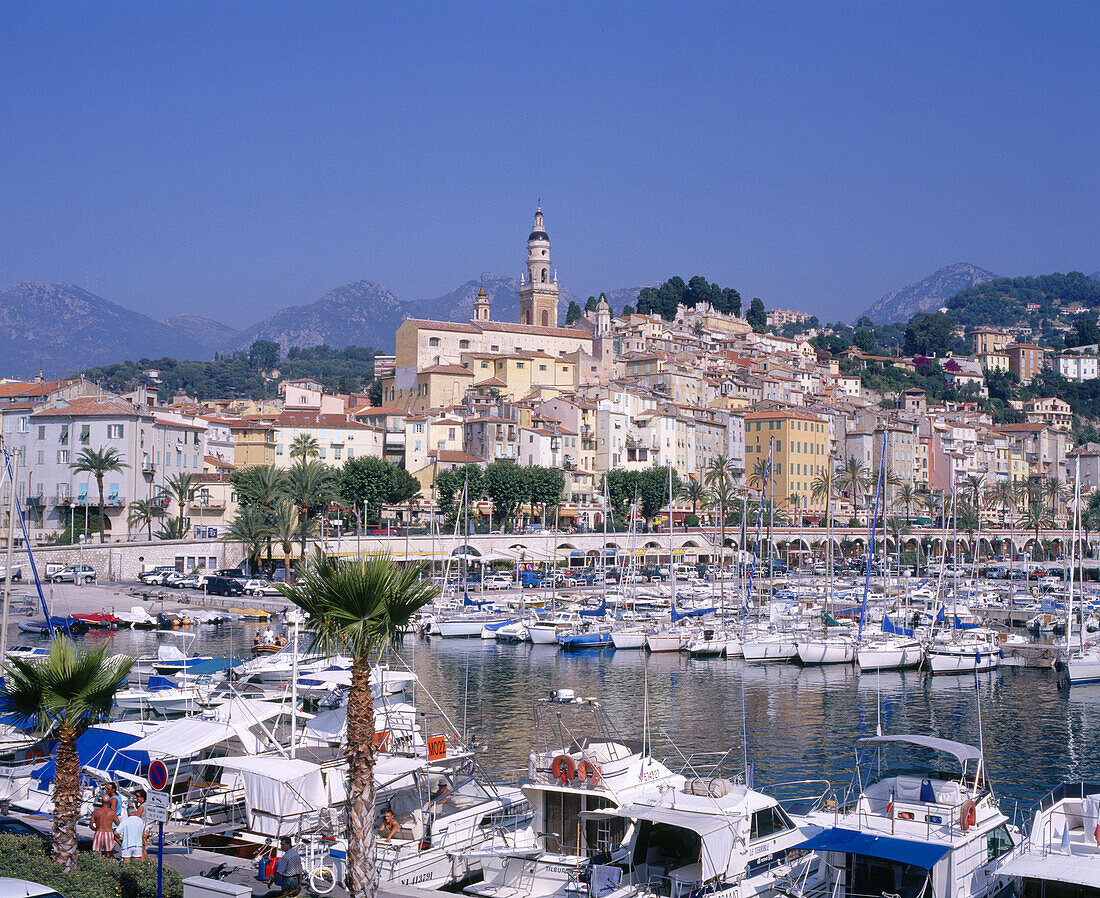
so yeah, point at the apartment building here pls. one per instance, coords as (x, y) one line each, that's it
(799, 443)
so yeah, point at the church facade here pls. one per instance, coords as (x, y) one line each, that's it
(424, 344)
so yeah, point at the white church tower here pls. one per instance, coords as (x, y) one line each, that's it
(538, 293)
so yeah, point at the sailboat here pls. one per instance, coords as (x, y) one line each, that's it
(1083, 665)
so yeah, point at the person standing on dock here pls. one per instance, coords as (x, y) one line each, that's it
(103, 825)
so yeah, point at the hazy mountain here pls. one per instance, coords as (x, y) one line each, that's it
(458, 305)
(61, 328)
(927, 295)
(212, 334)
(362, 314)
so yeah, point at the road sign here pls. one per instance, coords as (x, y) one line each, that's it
(156, 808)
(158, 775)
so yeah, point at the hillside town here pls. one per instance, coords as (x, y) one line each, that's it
(604, 393)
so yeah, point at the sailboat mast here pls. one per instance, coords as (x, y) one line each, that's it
(13, 470)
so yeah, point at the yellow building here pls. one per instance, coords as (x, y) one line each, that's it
(521, 373)
(439, 386)
(801, 453)
(990, 341)
(253, 443)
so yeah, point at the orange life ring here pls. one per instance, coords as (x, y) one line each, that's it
(35, 754)
(905, 815)
(968, 815)
(563, 769)
(589, 771)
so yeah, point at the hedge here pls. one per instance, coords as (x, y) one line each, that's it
(25, 857)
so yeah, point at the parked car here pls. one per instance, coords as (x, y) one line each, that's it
(155, 576)
(234, 573)
(498, 581)
(24, 888)
(174, 579)
(224, 586)
(260, 588)
(77, 573)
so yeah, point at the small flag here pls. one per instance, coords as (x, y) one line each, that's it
(1065, 837)
(890, 805)
(1096, 835)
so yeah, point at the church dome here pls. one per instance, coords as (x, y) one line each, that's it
(539, 235)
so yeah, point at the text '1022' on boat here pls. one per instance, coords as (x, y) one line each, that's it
(910, 830)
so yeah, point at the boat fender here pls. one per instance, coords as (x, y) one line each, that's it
(968, 815)
(563, 768)
(1002, 654)
(589, 771)
(905, 815)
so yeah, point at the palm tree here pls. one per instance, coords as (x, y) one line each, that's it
(975, 484)
(1003, 496)
(268, 485)
(64, 692)
(310, 485)
(853, 478)
(142, 512)
(285, 527)
(249, 526)
(305, 445)
(98, 463)
(180, 488)
(1037, 517)
(170, 528)
(695, 492)
(720, 469)
(933, 505)
(1053, 490)
(968, 519)
(759, 475)
(906, 494)
(824, 486)
(721, 496)
(360, 608)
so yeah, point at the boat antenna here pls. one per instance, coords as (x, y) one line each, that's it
(466, 697)
(745, 733)
(871, 541)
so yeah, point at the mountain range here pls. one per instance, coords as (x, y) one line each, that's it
(59, 328)
(928, 294)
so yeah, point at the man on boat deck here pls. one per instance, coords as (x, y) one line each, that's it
(103, 825)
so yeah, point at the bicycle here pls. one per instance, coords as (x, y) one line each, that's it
(320, 869)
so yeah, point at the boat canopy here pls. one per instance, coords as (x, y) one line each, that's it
(960, 750)
(104, 750)
(717, 834)
(190, 735)
(901, 851)
(1072, 869)
(247, 711)
(280, 792)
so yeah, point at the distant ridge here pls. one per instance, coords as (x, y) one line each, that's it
(928, 294)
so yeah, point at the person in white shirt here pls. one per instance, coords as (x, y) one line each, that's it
(131, 833)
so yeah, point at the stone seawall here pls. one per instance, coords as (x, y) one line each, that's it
(124, 561)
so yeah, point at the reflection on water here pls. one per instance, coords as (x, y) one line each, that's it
(802, 723)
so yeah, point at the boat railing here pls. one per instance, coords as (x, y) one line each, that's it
(709, 765)
(942, 819)
(803, 796)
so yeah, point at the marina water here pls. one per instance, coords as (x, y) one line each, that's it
(801, 722)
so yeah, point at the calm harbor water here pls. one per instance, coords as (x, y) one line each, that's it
(801, 723)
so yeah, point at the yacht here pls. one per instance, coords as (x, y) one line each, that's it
(1061, 854)
(579, 766)
(913, 831)
(967, 651)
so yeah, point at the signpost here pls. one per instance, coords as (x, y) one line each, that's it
(156, 810)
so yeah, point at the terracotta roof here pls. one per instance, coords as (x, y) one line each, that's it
(91, 407)
(456, 370)
(783, 413)
(301, 418)
(376, 410)
(218, 462)
(32, 388)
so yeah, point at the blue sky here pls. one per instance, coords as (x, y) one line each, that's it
(230, 159)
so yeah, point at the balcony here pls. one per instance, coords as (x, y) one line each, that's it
(209, 508)
(35, 502)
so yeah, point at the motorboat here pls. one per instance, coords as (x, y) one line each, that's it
(674, 639)
(626, 638)
(1061, 854)
(568, 783)
(966, 651)
(913, 831)
(767, 647)
(828, 649)
(887, 652)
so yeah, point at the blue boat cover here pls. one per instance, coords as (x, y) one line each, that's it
(901, 851)
(888, 626)
(101, 749)
(211, 666)
(156, 683)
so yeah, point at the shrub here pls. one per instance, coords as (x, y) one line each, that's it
(23, 857)
(691, 520)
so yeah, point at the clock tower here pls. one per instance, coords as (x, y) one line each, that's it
(538, 292)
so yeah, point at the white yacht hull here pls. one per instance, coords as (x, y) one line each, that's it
(458, 629)
(890, 655)
(733, 648)
(543, 635)
(628, 639)
(827, 651)
(1084, 668)
(664, 642)
(767, 650)
(962, 660)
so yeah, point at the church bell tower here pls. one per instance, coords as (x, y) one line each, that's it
(538, 292)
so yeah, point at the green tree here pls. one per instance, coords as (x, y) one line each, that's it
(545, 487)
(181, 489)
(305, 445)
(99, 463)
(251, 527)
(403, 488)
(906, 494)
(364, 484)
(930, 334)
(310, 485)
(506, 485)
(628, 310)
(757, 316)
(142, 512)
(360, 608)
(590, 305)
(573, 312)
(696, 493)
(64, 693)
(653, 491)
(284, 525)
(853, 478)
(449, 484)
(374, 392)
(864, 338)
(263, 355)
